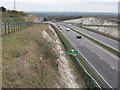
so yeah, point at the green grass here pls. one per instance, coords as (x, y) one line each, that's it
(15, 20)
(68, 46)
(63, 39)
(13, 17)
(18, 20)
(98, 43)
(100, 33)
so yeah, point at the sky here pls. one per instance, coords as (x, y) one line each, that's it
(63, 5)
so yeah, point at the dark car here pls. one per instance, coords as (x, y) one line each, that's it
(58, 26)
(78, 36)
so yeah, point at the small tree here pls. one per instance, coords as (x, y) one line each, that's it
(3, 9)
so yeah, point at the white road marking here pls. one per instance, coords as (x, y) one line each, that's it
(102, 36)
(91, 65)
(100, 41)
(116, 57)
(112, 67)
(100, 57)
(91, 51)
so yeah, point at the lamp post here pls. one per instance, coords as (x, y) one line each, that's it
(14, 4)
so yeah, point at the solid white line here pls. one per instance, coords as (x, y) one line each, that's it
(103, 49)
(88, 73)
(97, 72)
(112, 67)
(100, 58)
(116, 57)
(91, 65)
(97, 39)
(101, 35)
(91, 51)
(98, 47)
(103, 43)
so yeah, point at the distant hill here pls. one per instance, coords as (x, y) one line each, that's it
(103, 14)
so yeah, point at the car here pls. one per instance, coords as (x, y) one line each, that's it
(58, 26)
(78, 37)
(60, 29)
(68, 29)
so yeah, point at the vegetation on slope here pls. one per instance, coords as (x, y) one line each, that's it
(28, 61)
(13, 16)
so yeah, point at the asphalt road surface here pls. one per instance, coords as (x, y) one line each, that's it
(106, 41)
(102, 63)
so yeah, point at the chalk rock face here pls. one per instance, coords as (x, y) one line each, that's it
(113, 31)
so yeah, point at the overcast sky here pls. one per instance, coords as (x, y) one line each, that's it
(63, 5)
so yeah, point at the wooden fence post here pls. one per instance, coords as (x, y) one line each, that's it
(2, 29)
(17, 26)
(21, 24)
(5, 28)
(13, 26)
(8, 28)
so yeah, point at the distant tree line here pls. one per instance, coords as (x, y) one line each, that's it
(61, 18)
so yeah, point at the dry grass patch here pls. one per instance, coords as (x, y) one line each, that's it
(28, 60)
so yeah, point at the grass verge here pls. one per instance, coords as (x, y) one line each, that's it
(100, 33)
(17, 20)
(68, 46)
(98, 43)
(28, 60)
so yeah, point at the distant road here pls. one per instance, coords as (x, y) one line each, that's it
(106, 41)
(101, 25)
(101, 63)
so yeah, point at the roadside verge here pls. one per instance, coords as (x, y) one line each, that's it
(81, 67)
(97, 32)
(98, 43)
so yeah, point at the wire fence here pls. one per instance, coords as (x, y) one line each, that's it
(88, 79)
(7, 28)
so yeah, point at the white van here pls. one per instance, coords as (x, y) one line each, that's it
(68, 29)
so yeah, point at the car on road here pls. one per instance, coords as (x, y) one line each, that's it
(78, 36)
(58, 26)
(68, 29)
